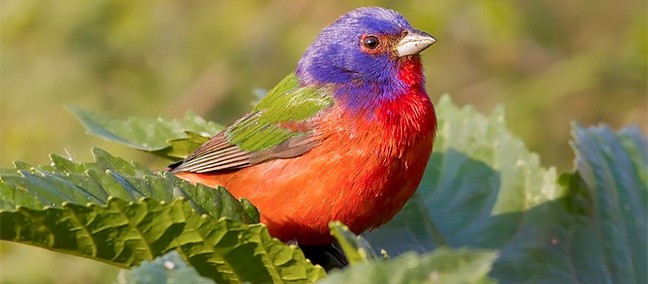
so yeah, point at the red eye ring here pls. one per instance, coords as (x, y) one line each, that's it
(370, 42)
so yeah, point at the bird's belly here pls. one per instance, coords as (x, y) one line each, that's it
(361, 182)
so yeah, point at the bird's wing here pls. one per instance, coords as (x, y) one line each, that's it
(280, 126)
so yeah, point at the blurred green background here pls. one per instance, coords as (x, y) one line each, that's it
(547, 62)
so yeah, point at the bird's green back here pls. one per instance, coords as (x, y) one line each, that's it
(262, 134)
(286, 102)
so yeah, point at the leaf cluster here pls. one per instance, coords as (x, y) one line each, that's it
(486, 211)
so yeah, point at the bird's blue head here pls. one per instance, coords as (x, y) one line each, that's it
(362, 53)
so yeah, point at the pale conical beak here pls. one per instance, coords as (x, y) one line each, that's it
(413, 42)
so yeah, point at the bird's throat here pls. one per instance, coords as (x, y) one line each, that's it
(404, 78)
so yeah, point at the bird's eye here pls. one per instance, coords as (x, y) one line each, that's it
(370, 42)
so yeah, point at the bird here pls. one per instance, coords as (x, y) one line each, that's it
(346, 136)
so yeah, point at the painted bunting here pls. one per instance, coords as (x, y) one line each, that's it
(346, 137)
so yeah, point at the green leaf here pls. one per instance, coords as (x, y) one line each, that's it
(127, 233)
(610, 204)
(483, 189)
(477, 171)
(441, 266)
(121, 213)
(108, 177)
(411, 230)
(176, 139)
(173, 139)
(355, 248)
(169, 268)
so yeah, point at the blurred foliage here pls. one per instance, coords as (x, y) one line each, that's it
(548, 62)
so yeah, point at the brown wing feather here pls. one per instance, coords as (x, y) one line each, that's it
(215, 154)
(218, 154)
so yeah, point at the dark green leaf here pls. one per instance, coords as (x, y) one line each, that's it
(610, 208)
(412, 227)
(478, 182)
(483, 189)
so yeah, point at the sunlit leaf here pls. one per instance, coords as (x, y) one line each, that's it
(173, 139)
(356, 248)
(441, 266)
(121, 213)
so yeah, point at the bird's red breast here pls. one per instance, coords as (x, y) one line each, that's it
(362, 172)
